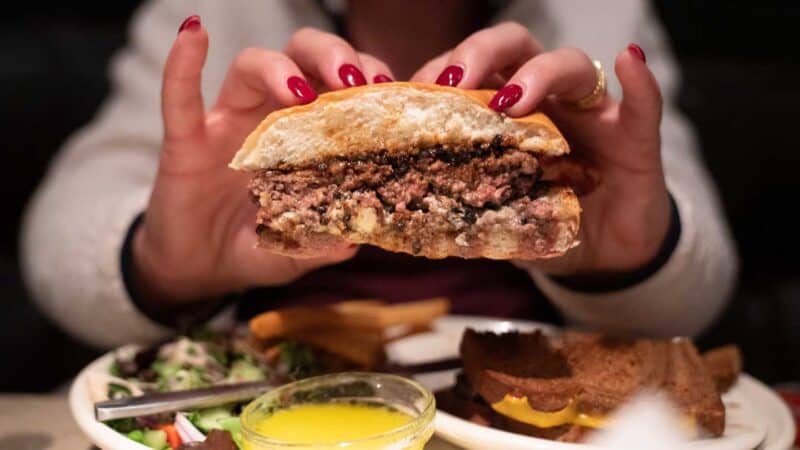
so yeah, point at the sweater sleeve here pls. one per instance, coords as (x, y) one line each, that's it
(692, 287)
(99, 182)
(75, 225)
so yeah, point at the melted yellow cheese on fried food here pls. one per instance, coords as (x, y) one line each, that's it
(520, 410)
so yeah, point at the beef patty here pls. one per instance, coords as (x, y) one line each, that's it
(462, 192)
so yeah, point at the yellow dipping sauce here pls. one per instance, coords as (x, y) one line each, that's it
(356, 411)
(330, 422)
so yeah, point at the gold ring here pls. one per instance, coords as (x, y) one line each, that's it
(598, 93)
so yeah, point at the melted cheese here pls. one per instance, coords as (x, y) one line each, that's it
(520, 410)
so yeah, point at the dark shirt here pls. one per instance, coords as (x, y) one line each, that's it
(475, 286)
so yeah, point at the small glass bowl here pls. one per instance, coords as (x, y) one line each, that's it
(401, 393)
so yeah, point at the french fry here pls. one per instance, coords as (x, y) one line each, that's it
(272, 353)
(364, 349)
(417, 313)
(358, 314)
(282, 322)
(396, 332)
(379, 317)
(355, 306)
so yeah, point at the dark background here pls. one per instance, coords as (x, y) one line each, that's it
(741, 90)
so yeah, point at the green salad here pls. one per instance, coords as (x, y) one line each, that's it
(199, 360)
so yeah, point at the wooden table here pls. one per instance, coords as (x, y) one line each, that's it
(44, 422)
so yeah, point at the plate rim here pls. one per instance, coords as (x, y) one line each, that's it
(99, 433)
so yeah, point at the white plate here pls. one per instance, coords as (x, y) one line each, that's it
(754, 414)
(82, 407)
(749, 402)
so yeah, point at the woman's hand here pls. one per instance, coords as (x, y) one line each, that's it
(625, 219)
(197, 240)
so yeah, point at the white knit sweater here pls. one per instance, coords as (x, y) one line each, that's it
(101, 179)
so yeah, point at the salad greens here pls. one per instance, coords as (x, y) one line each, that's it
(298, 359)
(116, 390)
(197, 360)
(209, 419)
(123, 425)
(155, 439)
(234, 426)
(243, 370)
(218, 418)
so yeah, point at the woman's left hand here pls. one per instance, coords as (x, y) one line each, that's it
(626, 217)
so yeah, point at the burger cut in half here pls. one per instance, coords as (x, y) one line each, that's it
(414, 168)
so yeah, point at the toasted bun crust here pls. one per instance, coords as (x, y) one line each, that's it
(596, 372)
(725, 365)
(394, 117)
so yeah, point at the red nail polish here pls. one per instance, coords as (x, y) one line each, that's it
(450, 76)
(351, 76)
(637, 52)
(506, 97)
(301, 89)
(191, 23)
(381, 78)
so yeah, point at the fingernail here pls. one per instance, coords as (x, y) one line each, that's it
(381, 78)
(506, 97)
(450, 76)
(351, 76)
(191, 23)
(301, 89)
(637, 52)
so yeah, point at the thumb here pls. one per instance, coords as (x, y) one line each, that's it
(332, 256)
(269, 269)
(640, 109)
(181, 96)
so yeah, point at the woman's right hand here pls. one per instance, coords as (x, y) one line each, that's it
(197, 239)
